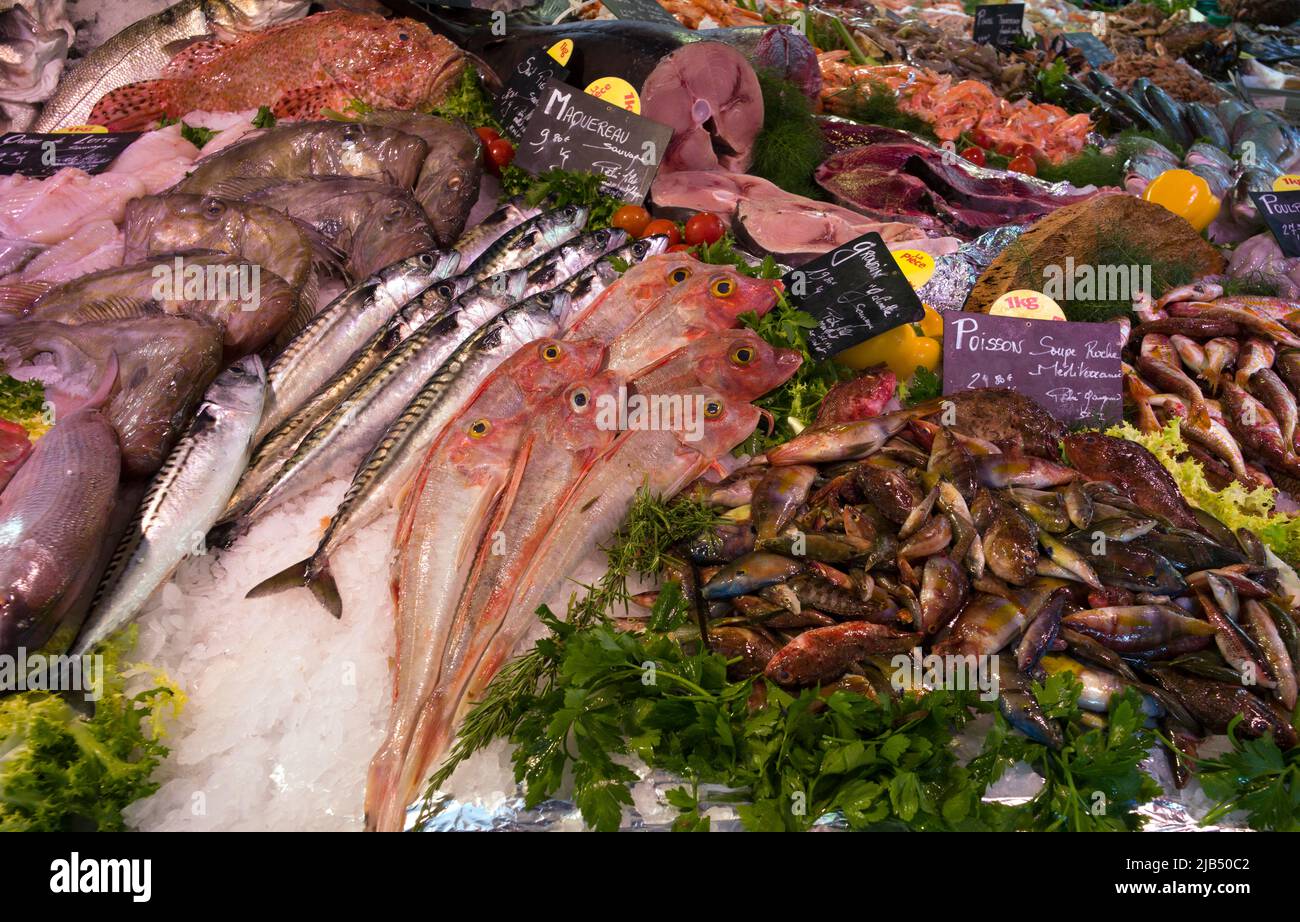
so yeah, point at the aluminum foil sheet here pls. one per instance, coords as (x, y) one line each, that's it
(1173, 811)
(955, 274)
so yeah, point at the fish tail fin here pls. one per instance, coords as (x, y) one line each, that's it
(293, 576)
(136, 106)
(322, 585)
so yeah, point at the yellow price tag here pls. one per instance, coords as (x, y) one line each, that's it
(1288, 182)
(562, 51)
(617, 91)
(81, 129)
(1024, 302)
(917, 266)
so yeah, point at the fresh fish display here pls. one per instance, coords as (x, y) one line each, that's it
(475, 240)
(187, 494)
(534, 238)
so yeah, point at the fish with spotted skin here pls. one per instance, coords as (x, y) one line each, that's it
(141, 51)
(298, 69)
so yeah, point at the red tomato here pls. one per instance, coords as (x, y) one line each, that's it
(501, 152)
(678, 248)
(487, 135)
(1027, 150)
(1023, 164)
(975, 156)
(631, 218)
(666, 228)
(705, 227)
(981, 138)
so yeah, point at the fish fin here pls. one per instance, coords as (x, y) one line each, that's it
(293, 576)
(192, 57)
(242, 188)
(20, 296)
(307, 102)
(322, 586)
(118, 309)
(136, 106)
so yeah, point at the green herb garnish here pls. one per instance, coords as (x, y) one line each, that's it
(469, 102)
(924, 385)
(63, 771)
(560, 188)
(264, 118)
(1257, 777)
(791, 146)
(23, 402)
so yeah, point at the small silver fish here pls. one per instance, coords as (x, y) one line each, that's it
(183, 501)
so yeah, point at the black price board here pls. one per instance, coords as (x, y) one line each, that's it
(46, 154)
(999, 24)
(1094, 50)
(646, 10)
(523, 90)
(856, 291)
(1071, 369)
(570, 130)
(1281, 212)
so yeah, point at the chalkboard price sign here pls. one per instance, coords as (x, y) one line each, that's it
(645, 10)
(1281, 212)
(1094, 51)
(523, 90)
(570, 130)
(46, 154)
(999, 24)
(856, 292)
(1071, 369)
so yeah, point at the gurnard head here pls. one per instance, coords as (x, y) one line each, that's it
(715, 298)
(547, 364)
(740, 364)
(585, 414)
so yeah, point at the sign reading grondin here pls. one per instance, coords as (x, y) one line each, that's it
(570, 130)
(1072, 369)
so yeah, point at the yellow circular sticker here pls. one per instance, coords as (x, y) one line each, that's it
(1032, 305)
(81, 129)
(562, 50)
(616, 91)
(1288, 182)
(917, 265)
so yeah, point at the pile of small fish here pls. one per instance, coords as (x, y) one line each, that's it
(855, 542)
(1228, 369)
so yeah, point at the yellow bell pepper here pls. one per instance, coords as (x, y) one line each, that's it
(932, 323)
(901, 349)
(1186, 195)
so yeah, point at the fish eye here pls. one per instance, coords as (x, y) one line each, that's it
(679, 275)
(743, 355)
(723, 288)
(402, 37)
(713, 409)
(580, 399)
(214, 208)
(552, 352)
(426, 260)
(479, 428)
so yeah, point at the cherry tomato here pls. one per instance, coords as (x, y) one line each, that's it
(975, 156)
(1027, 150)
(501, 152)
(980, 137)
(1023, 164)
(678, 248)
(487, 135)
(705, 227)
(631, 218)
(666, 228)
(1007, 148)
